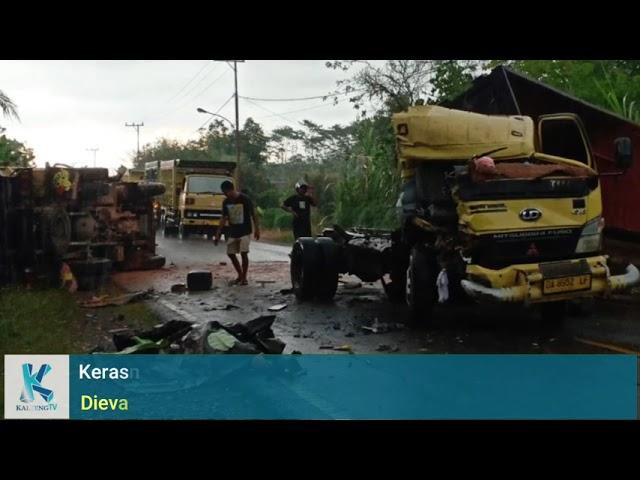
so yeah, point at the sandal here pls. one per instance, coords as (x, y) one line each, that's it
(243, 282)
(237, 281)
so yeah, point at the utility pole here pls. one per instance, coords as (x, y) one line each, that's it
(94, 150)
(137, 127)
(235, 82)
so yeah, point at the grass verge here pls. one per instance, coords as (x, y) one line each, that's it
(51, 322)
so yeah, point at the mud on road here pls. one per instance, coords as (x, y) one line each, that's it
(361, 319)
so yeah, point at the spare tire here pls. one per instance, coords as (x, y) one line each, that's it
(91, 274)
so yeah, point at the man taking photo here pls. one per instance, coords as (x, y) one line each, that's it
(299, 205)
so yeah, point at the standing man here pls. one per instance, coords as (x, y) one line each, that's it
(237, 211)
(299, 205)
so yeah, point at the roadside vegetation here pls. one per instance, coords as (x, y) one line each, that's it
(50, 321)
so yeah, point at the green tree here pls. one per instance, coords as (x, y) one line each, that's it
(15, 153)
(610, 84)
(8, 107)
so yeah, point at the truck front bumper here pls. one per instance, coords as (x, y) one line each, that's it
(526, 283)
(197, 222)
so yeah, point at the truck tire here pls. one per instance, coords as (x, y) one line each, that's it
(396, 289)
(305, 261)
(328, 271)
(170, 231)
(421, 285)
(91, 274)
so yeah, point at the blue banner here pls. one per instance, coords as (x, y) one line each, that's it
(310, 387)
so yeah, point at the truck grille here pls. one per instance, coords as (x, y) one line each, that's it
(503, 249)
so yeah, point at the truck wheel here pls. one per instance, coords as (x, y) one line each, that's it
(421, 285)
(305, 260)
(91, 274)
(396, 289)
(328, 271)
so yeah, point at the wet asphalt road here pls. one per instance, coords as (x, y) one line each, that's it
(607, 327)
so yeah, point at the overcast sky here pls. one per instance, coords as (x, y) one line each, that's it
(66, 107)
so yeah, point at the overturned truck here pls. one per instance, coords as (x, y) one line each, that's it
(492, 208)
(76, 216)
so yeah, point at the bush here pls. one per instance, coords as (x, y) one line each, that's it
(276, 218)
(368, 190)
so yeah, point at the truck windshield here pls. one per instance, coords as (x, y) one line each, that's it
(205, 184)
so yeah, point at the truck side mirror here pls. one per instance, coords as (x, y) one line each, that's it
(624, 153)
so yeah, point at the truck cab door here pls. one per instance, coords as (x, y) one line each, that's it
(564, 135)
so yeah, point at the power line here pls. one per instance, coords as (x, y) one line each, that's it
(207, 64)
(217, 111)
(210, 85)
(274, 113)
(299, 99)
(199, 82)
(187, 102)
(299, 110)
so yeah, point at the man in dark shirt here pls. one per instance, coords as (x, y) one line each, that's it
(237, 211)
(299, 205)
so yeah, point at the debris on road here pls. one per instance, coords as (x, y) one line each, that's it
(607, 346)
(326, 347)
(105, 301)
(350, 285)
(277, 308)
(378, 327)
(286, 291)
(177, 336)
(383, 347)
(229, 306)
(344, 348)
(178, 288)
(199, 280)
(223, 264)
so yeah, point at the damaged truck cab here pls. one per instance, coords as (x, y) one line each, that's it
(492, 208)
(524, 226)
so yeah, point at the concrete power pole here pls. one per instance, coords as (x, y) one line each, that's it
(94, 150)
(137, 127)
(235, 83)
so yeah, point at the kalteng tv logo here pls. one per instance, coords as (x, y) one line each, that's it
(33, 388)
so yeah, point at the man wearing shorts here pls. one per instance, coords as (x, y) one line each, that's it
(237, 212)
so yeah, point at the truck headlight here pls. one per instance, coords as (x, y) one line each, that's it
(591, 236)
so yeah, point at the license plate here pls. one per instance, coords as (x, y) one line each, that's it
(567, 284)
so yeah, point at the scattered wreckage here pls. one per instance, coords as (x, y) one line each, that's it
(179, 336)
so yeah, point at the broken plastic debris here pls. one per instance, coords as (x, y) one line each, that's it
(344, 348)
(277, 308)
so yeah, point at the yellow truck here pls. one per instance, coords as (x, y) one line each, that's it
(192, 203)
(492, 209)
